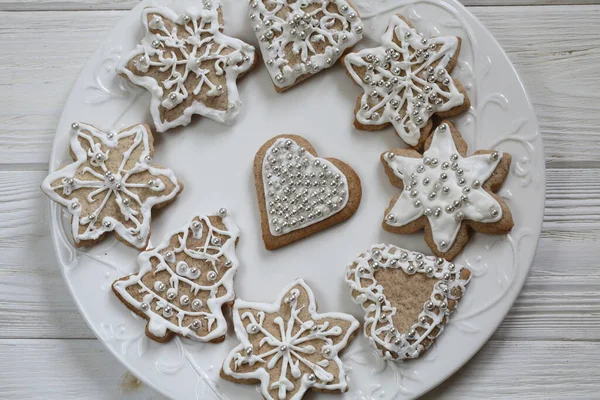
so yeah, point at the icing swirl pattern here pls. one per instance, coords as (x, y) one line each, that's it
(112, 185)
(188, 65)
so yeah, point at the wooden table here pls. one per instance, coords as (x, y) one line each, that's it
(548, 346)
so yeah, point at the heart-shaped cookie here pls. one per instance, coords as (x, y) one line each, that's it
(299, 193)
(301, 38)
(407, 298)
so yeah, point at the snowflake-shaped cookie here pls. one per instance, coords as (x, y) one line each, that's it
(446, 192)
(406, 81)
(112, 185)
(185, 281)
(299, 38)
(288, 347)
(407, 298)
(188, 65)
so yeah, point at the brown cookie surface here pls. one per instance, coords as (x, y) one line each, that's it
(185, 282)
(112, 185)
(288, 347)
(447, 193)
(188, 65)
(407, 298)
(299, 39)
(406, 82)
(300, 194)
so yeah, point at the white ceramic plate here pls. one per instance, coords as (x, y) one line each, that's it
(321, 110)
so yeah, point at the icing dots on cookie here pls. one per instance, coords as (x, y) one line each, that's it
(301, 38)
(188, 65)
(406, 81)
(447, 190)
(184, 282)
(288, 346)
(407, 298)
(301, 189)
(112, 185)
(300, 193)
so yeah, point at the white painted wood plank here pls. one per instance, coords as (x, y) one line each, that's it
(66, 369)
(562, 291)
(526, 371)
(501, 370)
(556, 54)
(45, 5)
(555, 49)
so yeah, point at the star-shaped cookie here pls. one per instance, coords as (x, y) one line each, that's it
(406, 81)
(188, 65)
(111, 185)
(299, 38)
(288, 347)
(446, 192)
(184, 282)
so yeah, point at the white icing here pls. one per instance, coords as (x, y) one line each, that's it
(109, 185)
(231, 56)
(300, 189)
(395, 76)
(379, 327)
(287, 24)
(154, 299)
(445, 211)
(292, 332)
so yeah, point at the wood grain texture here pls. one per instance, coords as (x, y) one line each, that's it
(66, 369)
(562, 290)
(526, 370)
(547, 347)
(513, 369)
(550, 46)
(46, 5)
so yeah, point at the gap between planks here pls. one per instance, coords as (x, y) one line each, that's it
(500, 370)
(107, 5)
(562, 290)
(551, 47)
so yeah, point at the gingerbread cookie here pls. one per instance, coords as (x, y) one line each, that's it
(406, 81)
(183, 284)
(446, 192)
(111, 185)
(299, 193)
(301, 38)
(188, 65)
(407, 298)
(288, 347)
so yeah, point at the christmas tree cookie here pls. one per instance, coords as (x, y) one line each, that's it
(184, 283)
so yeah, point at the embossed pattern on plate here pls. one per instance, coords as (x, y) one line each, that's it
(215, 163)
